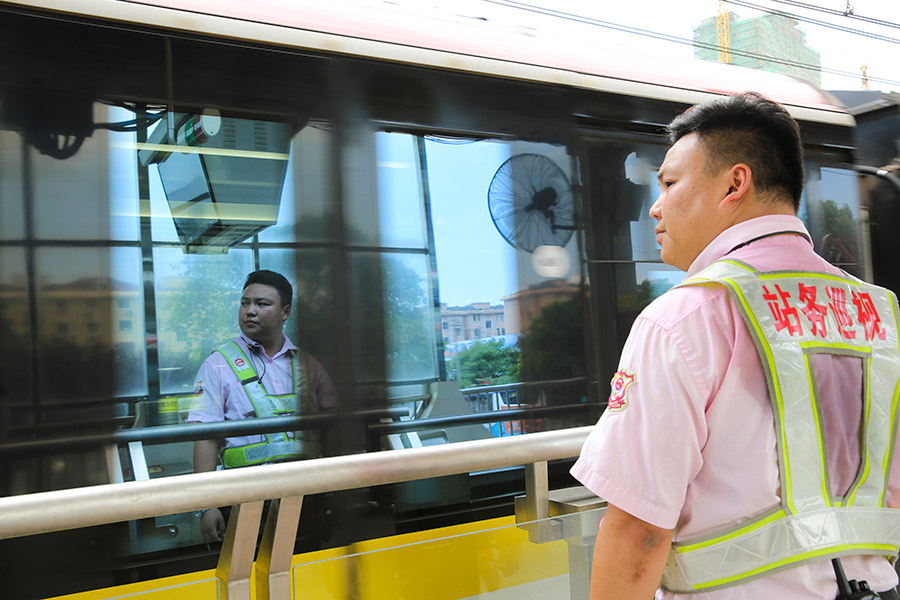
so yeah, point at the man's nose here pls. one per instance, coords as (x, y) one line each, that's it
(656, 209)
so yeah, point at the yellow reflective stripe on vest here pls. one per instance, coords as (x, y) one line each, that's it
(790, 316)
(277, 446)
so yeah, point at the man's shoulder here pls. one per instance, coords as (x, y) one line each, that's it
(672, 308)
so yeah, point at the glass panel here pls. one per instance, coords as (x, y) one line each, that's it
(409, 318)
(504, 296)
(366, 315)
(15, 343)
(283, 229)
(641, 168)
(129, 349)
(162, 226)
(489, 560)
(197, 298)
(12, 216)
(474, 262)
(71, 196)
(123, 186)
(476, 266)
(308, 190)
(830, 209)
(75, 300)
(311, 324)
(399, 191)
(621, 180)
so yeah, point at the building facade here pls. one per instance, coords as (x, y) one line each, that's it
(472, 322)
(772, 42)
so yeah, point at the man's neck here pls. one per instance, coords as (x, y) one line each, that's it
(271, 347)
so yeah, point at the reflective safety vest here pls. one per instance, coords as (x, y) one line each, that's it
(792, 315)
(277, 446)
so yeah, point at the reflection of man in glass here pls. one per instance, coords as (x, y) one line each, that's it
(259, 374)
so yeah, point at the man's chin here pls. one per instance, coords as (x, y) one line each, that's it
(250, 332)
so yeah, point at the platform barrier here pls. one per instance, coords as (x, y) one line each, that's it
(491, 555)
(495, 559)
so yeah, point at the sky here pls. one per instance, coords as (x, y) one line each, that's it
(839, 50)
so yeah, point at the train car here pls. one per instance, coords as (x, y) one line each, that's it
(462, 207)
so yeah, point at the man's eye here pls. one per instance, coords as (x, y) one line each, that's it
(668, 183)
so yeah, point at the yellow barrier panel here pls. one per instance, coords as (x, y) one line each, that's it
(438, 564)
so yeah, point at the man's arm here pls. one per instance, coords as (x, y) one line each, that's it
(629, 557)
(206, 455)
(206, 458)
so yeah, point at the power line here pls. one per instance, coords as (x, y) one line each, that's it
(839, 13)
(868, 34)
(679, 40)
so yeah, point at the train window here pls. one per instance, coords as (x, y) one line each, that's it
(830, 208)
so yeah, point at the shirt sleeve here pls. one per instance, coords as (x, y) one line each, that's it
(208, 403)
(646, 448)
(324, 394)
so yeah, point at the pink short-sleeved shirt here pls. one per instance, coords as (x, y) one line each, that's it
(219, 396)
(688, 441)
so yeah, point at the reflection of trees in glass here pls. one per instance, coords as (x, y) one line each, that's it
(648, 291)
(200, 302)
(409, 351)
(839, 244)
(553, 348)
(488, 362)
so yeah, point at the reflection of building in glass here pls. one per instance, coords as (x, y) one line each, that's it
(86, 311)
(473, 322)
(522, 307)
(768, 43)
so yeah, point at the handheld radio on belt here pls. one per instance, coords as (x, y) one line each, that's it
(851, 590)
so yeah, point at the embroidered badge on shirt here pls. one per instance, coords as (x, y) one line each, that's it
(618, 397)
(199, 389)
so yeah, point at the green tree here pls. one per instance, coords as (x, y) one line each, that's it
(553, 348)
(410, 351)
(488, 362)
(197, 305)
(839, 244)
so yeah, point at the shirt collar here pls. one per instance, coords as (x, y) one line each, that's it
(744, 233)
(286, 345)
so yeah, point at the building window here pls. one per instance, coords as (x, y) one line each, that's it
(488, 324)
(500, 317)
(477, 333)
(445, 325)
(125, 326)
(476, 317)
(62, 328)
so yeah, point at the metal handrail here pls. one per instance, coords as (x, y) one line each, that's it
(494, 416)
(188, 432)
(44, 512)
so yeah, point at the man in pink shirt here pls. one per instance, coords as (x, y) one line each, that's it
(285, 379)
(689, 447)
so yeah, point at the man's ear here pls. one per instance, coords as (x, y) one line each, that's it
(738, 179)
(286, 312)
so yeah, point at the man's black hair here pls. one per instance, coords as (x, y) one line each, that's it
(753, 130)
(276, 280)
